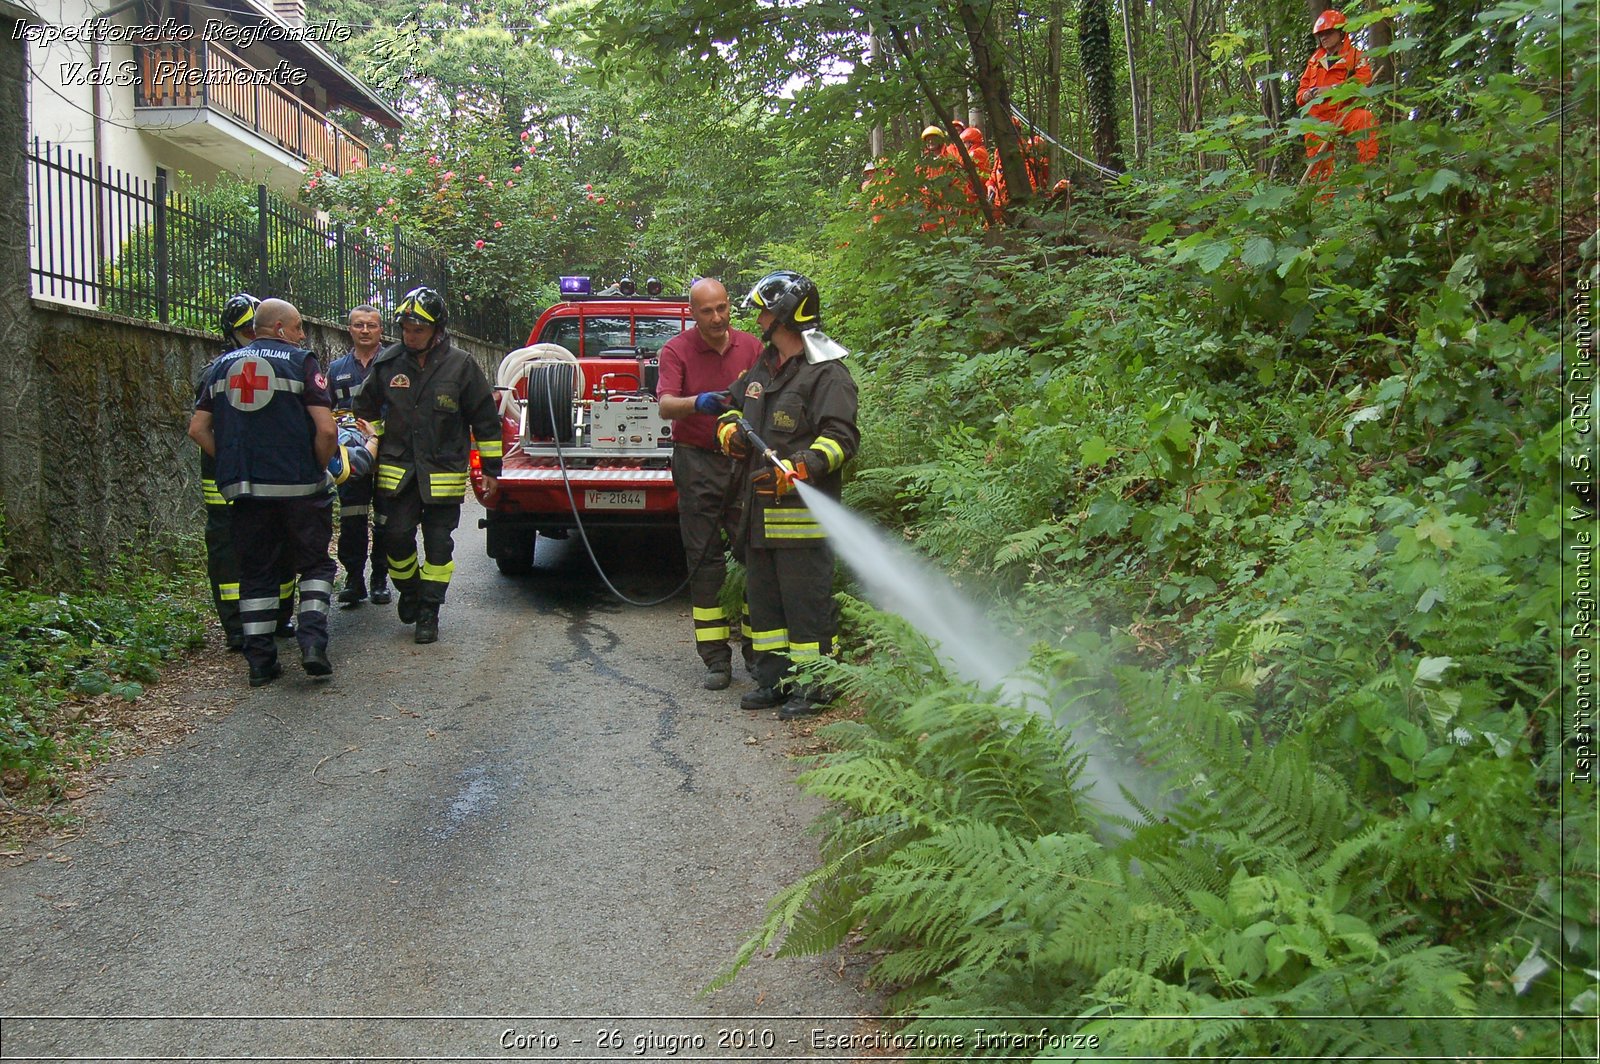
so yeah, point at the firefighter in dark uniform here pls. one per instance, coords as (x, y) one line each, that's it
(356, 512)
(222, 568)
(801, 400)
(264, 415)
(427, 401)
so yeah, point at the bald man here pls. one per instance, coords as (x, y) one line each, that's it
(696, 368)
(264, 414)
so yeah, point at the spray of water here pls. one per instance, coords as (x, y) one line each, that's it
(966, 640)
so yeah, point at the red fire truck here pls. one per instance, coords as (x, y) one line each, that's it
(583, 439)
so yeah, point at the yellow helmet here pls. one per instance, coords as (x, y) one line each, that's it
(933, 131)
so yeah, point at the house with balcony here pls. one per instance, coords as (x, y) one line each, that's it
(195, 89)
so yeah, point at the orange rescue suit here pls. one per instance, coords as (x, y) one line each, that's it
(1324, 71)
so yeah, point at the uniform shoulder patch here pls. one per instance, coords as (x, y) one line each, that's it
(753, 390)
(399, 380)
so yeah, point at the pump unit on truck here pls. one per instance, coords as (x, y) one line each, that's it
(583, 438)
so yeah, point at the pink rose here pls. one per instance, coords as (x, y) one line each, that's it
(478, 244)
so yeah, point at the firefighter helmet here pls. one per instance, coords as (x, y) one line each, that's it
(793, 299)
(422, 305)
(933, 131)
(1328, 20)
(972, 137)
(239, 312)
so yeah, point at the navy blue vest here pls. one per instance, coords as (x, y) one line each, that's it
(345, 378)
(264, 433)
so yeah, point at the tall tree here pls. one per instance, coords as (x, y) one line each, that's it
(1099, 74)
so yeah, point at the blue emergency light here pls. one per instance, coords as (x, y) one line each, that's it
(574, 286)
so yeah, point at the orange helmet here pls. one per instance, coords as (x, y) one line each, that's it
(972, 136)
(1328, 20)
(932, 131)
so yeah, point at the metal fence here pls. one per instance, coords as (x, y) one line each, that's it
(112, 241)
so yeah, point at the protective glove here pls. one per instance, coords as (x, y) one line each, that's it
(732, 440)
(712, 403)
(804, 465)
(770, 482)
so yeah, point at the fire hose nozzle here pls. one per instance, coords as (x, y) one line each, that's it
(761, 445)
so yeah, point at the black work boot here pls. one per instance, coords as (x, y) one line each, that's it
(410, 607)
(718, 677)
(427, 624)
(261, 675)
(355, 591)
(380, 588)
(763, 698)
(315, 660)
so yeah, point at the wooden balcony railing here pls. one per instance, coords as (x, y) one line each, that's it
(231, 87)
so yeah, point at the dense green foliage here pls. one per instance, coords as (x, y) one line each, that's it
(110, 635)
(1279, 497)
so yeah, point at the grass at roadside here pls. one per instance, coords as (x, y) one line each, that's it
(66, 652)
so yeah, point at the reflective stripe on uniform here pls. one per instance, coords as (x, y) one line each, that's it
(790, 524)
(403, 568)
(447, 485)
(710, 613)
(258, 605)
(390, 476)
(775, 640)
(316, 587)
(278, 384)
(804, 651)
(438, 574)
(829, 450)
(377, 427)
(261, 627)
(230, 593)
(208, 489)
(358, 510)
(711, 635)
(491, 448)
(286, 588)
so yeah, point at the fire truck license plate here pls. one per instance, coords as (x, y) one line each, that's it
(613, 500)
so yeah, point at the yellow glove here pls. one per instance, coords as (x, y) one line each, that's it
(731, 439)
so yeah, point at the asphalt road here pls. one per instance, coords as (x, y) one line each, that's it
(536, 839)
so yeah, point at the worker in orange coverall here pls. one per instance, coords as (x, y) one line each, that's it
(1335, 61)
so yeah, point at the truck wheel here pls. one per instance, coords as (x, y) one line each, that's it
(515, 557)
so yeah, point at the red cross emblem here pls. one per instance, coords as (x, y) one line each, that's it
(250, 384)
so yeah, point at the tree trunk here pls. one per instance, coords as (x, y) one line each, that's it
(1094, 48)
(992, 84)
(1130, 40)
(1052, 89)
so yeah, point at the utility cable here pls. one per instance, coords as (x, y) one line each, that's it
(583, 535)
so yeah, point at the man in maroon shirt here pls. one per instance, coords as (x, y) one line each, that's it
(696, 368)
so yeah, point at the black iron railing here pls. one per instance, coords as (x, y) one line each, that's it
(116, 242)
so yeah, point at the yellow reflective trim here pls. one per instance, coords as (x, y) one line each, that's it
(803, 651)
(389, 476)
(796, 533)
(774, 640)
(438, 574)
(377, 427)
(711, 635)
(799, 312)
(710, 613)
(491, 448)
(829, 450)
(403, 568)
(228, 592)
(286, 588)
